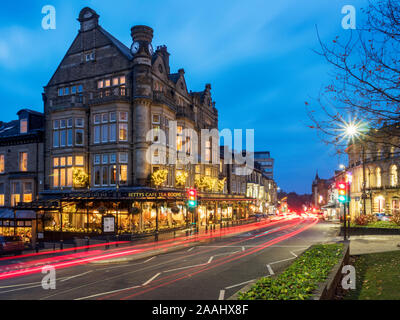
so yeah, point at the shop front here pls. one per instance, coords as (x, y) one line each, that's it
(17, 222)
(64, 215)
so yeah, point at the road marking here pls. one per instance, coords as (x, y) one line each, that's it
(190, 249)
(294, 254)
(243, 248)
(282, 260)
(271, 272)
(221, 294)
(239, 284)
(78, 275)
(151, 279)
(103, 293)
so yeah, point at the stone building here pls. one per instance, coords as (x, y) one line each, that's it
(105, 108)
(320, 189)
(374, 166)
(21, 170)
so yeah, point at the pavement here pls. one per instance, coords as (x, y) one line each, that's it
(373, 243)
(205, 269)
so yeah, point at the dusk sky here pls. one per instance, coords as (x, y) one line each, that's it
(257, 55)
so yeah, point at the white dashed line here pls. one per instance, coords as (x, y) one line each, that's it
(271, 272)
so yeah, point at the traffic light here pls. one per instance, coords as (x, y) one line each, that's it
(342, 192)
(192, 198)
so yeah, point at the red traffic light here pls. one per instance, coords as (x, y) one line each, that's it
(192, 192)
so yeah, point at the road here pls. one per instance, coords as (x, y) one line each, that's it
(211, 266)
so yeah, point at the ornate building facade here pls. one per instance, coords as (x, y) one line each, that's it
(105, 108)
(375, 184)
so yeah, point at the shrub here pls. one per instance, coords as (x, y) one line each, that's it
(361, 220)
(298, 281)
(372, 218)
(395, 218)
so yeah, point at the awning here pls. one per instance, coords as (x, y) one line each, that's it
(20, 214)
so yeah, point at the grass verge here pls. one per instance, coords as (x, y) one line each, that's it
(301, 278)
(377, 277)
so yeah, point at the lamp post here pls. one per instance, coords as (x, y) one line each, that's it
(353, 130)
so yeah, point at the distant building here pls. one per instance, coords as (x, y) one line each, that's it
(266, 162)
(21, 169)
(320, 189)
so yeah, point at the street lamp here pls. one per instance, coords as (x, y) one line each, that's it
(352, 130)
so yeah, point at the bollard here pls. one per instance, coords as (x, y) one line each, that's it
(206, 228)
(107, 241)
(87, 243)
(37, 247)
(61, 244)
(116, 243)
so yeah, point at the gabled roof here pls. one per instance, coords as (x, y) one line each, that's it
(120, 46)
(174, 77)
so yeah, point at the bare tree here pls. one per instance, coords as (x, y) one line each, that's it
(365, 80)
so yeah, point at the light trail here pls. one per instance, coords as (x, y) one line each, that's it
(269, 243)
(216, 260)
(119, 252)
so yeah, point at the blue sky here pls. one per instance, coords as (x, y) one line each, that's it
(256, 54)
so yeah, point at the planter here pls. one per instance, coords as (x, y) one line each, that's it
(358, 231)
(327, 289)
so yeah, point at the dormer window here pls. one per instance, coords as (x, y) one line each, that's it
(89, 56)
(23, 125)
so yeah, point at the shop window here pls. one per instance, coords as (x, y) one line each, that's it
(23, 161)
(100, 84)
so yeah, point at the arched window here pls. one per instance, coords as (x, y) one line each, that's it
(367, 178)
(378, 177)
(393, 175)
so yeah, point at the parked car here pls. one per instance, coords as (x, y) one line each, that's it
(11, 244)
